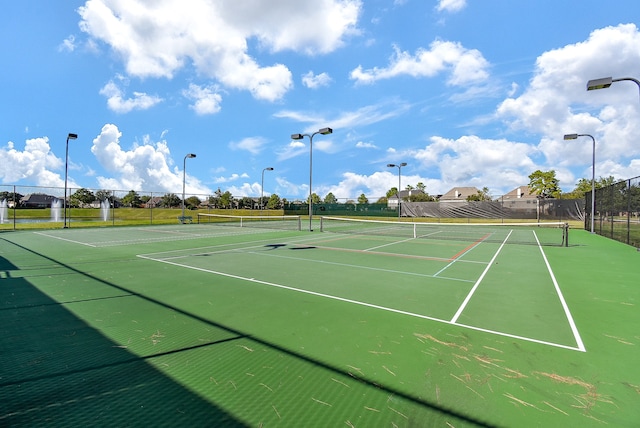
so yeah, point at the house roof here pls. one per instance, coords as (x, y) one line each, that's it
(459, 194)
(520, 192)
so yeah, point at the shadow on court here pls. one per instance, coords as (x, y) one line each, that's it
(58, 370)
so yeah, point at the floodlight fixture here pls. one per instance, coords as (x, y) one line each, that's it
(70, 136)
(322, 131)
(262, 186)
(605, 82)
(399, 166)
(184, 178)
(593, 173)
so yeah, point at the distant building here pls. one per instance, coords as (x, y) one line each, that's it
(521, 192)
(392, 201)
(37, 200)
(458, 194)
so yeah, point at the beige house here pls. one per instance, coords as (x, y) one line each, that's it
(457, 194)
(521, 192)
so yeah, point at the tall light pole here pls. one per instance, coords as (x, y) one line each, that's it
(323, 131)
(593, 173)
(262, 186)
(399, 166)
(184, 178)
(66, 171)
(605, 82)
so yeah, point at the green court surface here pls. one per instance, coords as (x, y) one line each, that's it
(211, 325)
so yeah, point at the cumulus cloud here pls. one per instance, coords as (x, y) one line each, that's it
(315, 81)
(159, 39)
(206, 99)
(36, 164)
(363, 145)
(451, 5)
(146, 166)
(117, 103)
(546, 106)
(68, 44)
(465, 66)
(251, 144)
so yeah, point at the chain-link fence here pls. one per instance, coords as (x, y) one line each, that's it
(23, 206)
(617, 211)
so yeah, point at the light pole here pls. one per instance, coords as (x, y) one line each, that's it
(399, 166)
(605, 82)
(184, 177)
(593, 173)
(66, 170)
(262, 186)
(323, 131)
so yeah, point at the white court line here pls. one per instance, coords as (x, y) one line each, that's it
(65, 239)
(475, 286)
(574, 329)
(357, 302)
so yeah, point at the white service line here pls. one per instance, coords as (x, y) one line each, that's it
(475, 286)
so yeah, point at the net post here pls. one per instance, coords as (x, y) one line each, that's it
(565, 234)
(415, 232)
(321, 223)
(299, 223)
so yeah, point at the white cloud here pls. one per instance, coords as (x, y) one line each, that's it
(35, 164)
(315, 81)
(363, 116)
(117, 103)
(464, 65)
(451, 5)
(474, 161)
(68, 44)
(145, 166)
(231, 178)
(251, 144)
(363, 145)
(158, 39)
(559, 82)
(206, 99)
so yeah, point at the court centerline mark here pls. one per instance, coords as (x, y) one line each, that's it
(477, 284)
(360, 303)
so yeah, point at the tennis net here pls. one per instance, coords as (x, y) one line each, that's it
(285, 222)
(542, 233)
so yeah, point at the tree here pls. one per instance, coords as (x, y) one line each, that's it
(103, 195)
(481, 195)
(170, 200)
(132, 199)
(274, 202)
(10, 197)
(330, 199)
(192, 202)
(81, 198)
(315, 198)
(409, 187)
(544, 184)
(382, 200)
(421, 186)
(362, 199)
(420, 197)
(226, 199)
(392, 192)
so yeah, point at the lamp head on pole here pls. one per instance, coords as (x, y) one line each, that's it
(268, 169)
(72, 136)
(601, 83)
(570, 136)
(297, 136)
(391, 165)
(403, 164)
(325, 131)
(191, 155)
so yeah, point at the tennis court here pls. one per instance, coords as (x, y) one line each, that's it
(353, 324)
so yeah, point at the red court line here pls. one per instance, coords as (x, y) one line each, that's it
(469, 247)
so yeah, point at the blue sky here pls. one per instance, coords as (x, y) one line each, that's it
(466, 92)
